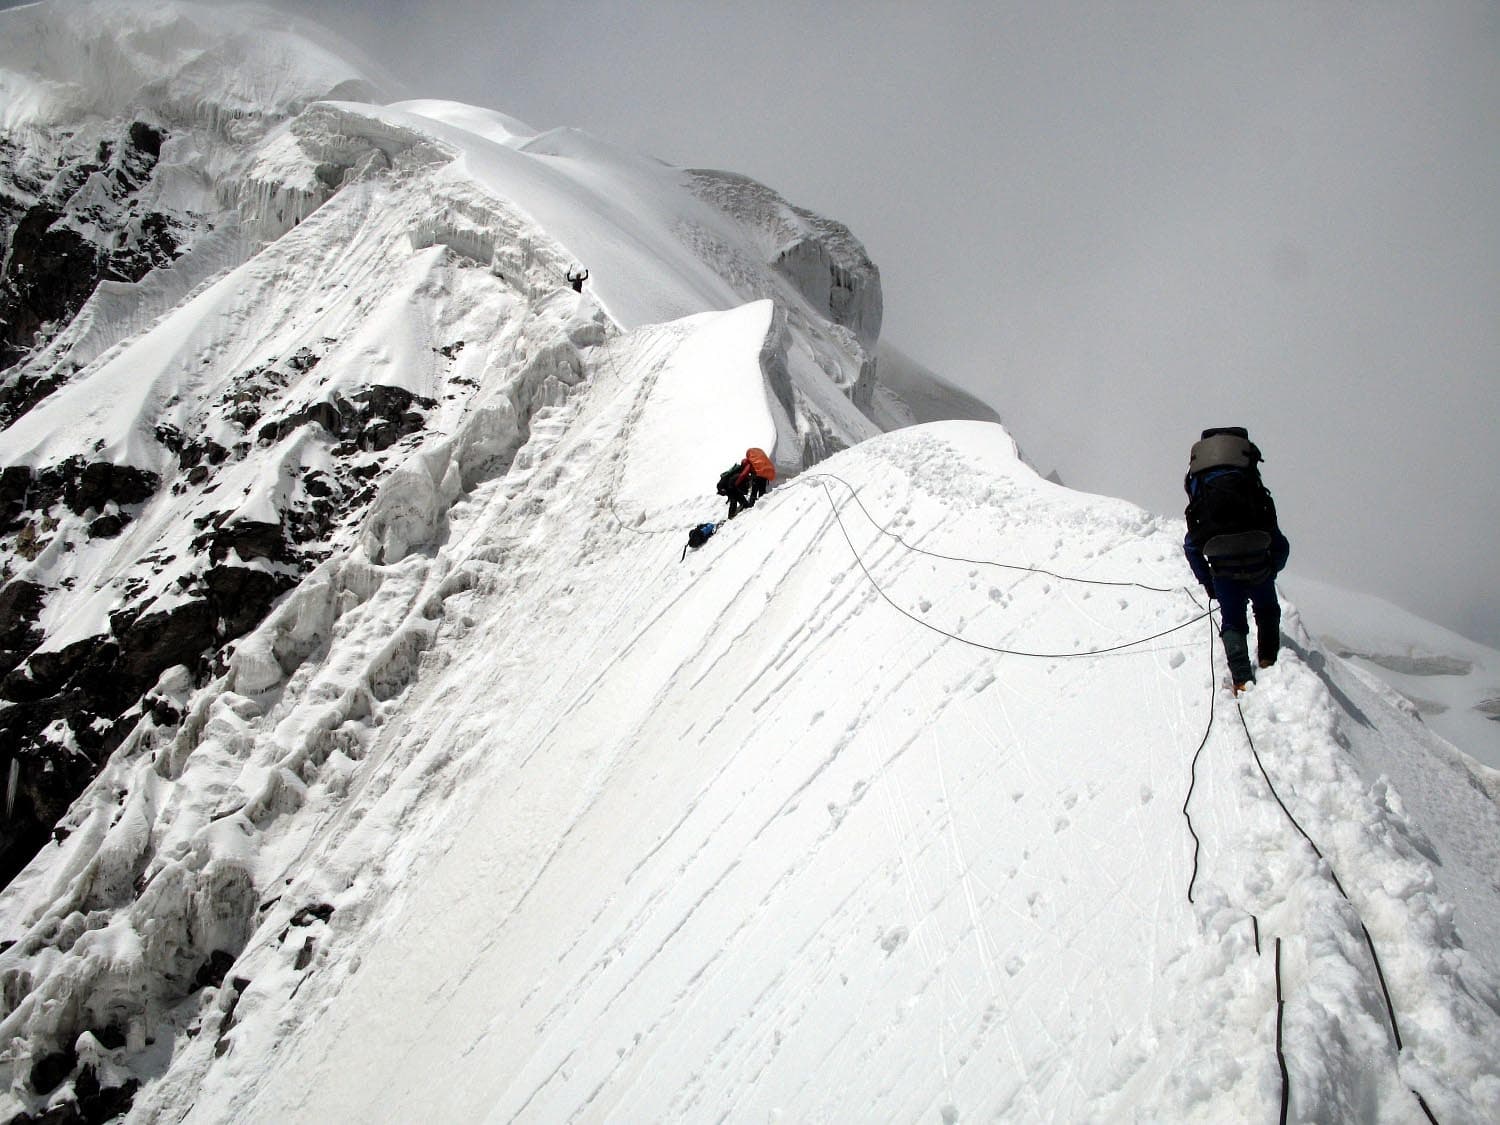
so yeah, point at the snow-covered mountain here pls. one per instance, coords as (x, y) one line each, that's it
(404, 764)
(1453, 683)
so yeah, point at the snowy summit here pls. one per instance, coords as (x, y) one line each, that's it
(375, 750)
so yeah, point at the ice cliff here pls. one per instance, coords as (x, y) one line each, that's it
(374, 751)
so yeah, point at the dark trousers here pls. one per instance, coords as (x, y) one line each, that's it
(1234, 599)
(747, 494)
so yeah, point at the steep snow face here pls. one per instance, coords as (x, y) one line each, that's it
(301, 299)
(424, 774)
(913, 394)
(125, 129)
(808, 824)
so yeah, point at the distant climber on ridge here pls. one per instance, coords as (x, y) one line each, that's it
(747, 481)
(1234, 545)
(577, 275)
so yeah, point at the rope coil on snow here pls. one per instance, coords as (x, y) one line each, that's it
(980, 644)
(885, 530)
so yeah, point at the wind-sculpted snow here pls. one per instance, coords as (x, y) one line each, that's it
(346, 322)
(821, 257)
(63, 61)
(421, 773)
(593, 833)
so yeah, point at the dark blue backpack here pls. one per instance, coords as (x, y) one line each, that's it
(1230, 513)
(699, 536)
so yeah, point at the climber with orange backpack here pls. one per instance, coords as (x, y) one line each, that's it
(747, 481)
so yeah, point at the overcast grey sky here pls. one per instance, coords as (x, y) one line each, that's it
(1116, 222)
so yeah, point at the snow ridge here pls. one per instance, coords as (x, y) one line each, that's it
(914, 793)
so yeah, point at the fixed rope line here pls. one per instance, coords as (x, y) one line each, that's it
(885, 530)
(1332, 875)
(1207, 614)
(1193, 773)
(980, 644)
(1286, 1082)
(1390, 1007)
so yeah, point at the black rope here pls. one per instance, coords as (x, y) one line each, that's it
(1207, 614)
(885, 530)
(1286, 1082)
(1332, 875)
(980, 644)
(1390, 1007)
(1193, 769)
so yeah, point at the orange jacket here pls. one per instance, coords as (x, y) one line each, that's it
(760, 464)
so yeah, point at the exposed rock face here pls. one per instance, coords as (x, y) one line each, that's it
(239, 394)
(64, 710)
(114, 575)
(74, 211)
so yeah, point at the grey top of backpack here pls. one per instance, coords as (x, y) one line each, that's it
(1229, 447)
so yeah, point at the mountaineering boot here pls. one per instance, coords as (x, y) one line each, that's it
(1267, 634)
(1237, 649)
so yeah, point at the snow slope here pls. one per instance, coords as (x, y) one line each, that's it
(609, 836)
(914, 793)
(351, 284)
(1453, 682)
(227, 64)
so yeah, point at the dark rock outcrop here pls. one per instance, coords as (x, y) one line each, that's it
(67, 223)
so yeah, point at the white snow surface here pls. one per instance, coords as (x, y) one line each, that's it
(616, 837)
(1451, 681)
(64, 60)
(510, 811)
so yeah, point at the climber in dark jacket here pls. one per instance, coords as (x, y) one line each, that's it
(731, 488)
(1235, 547)
(747, 481)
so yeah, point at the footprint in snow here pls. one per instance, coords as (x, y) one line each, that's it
(892, 940)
